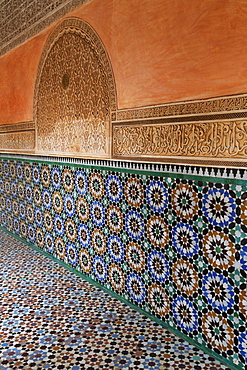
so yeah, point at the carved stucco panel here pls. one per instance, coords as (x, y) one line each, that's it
(207, 139)
(75, 93)
(23, 140)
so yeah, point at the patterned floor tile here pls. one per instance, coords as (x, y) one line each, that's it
(53, 319)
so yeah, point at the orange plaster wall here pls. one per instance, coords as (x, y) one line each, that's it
(161, 51)
(167, 51)
(18, 71)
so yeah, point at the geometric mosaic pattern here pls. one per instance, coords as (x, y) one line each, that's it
(173, 247)
(53, 319)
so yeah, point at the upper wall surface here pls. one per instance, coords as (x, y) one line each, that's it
(22, 19)
(161, 51)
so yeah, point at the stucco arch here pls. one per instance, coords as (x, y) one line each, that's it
(74, 93)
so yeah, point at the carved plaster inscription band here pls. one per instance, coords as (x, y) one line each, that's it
(19, 137)
(17, 141)
(205, 139)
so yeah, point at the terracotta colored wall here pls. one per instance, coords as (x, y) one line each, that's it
(161, 51)
(18, 71)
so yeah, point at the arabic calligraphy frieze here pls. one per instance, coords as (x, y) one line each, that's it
(207, 139)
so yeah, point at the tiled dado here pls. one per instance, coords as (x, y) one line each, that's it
(173, 244)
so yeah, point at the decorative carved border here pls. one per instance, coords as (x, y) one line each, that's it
(19, 137)
(88, 31)
(229, 104)
(154, 168)
(184, 140)
(17, 127)
(88, 34)
(24, 19)
(187, 142)
(201, 132)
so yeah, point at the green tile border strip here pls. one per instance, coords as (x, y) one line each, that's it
(120, 298)
(199, 177)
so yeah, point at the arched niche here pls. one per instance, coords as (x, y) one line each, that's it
(74, 93)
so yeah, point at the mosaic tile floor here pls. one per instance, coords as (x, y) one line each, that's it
(53, 319)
